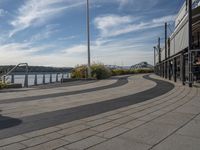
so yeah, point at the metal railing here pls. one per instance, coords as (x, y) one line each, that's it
(28, 78)
(38, 78)
(4, 76)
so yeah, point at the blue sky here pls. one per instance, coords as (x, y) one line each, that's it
(53, 32)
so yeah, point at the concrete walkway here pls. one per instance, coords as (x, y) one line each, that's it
(143, 113)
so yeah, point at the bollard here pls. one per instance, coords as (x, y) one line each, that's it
(26, 81)
(35, 81)
(12, 78)
(43, 81)
(57, 77)
(50, 80)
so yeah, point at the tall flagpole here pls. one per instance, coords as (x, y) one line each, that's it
(88, 39)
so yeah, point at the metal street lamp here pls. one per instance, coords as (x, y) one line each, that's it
(88, 38)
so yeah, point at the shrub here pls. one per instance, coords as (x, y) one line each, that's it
(116, 72)
(79, 72)
(144, 70)
(98, 71)
(2, 85)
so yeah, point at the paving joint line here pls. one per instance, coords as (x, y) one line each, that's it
(128, 130)
(178, 127)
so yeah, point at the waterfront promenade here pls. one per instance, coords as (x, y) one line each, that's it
(139, 112)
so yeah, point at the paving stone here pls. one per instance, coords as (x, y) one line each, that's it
(15, 146)
(41, 132)
(41, 139)
(86, 143)
(152, 116)
(12, 140)
(113, 117)
(175, 118)
(105, 126)
(97, 122)
(120, 144)
(79, 135)
(190, 109)
(191, 129)
(93, 118)
(178, 142)
(150, 133)
(70, 124)
(195, 101)
(113, 132)
(62, 148)
(49, 145)
(197, 118)
(124, 120)
(74, 129)
(132, 124)
(132, 111)
(139, 114)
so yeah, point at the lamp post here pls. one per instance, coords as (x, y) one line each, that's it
(88, 38)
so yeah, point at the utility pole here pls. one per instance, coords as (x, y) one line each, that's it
(189, 4)
(165, 40)
(166, 50)
(88, 38)
(159, 57)
(154, 57)
(159, 50)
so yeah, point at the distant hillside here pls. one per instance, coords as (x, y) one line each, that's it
(4, 69)
(118, 67)
(142, 65)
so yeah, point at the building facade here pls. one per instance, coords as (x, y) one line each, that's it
(180, 57)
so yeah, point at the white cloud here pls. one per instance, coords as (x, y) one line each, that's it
(113, 25)
(108, 21)
(46, 33)
(15, 53)
(111, 52)
(78, 49)
(35, 12)
(164, 19)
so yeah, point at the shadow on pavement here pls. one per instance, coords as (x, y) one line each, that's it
(7, 122)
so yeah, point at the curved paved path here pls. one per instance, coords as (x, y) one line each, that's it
(120, 82)
(53, 118)
(29, 108)
(163, 116)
